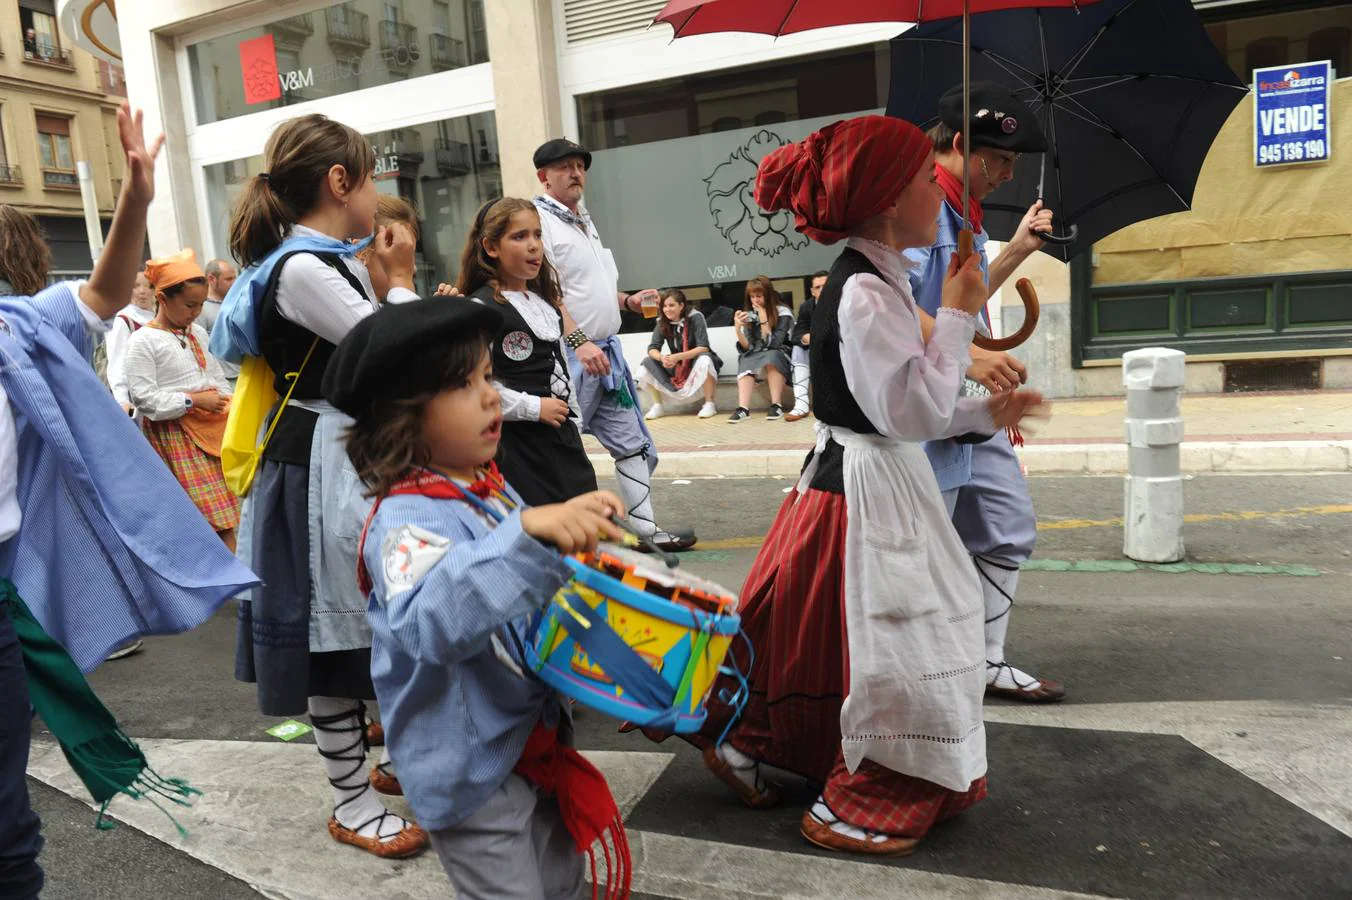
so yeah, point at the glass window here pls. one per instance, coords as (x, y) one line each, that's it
(447, 169)
(343, 48)
(54, 143)
(1285, 38)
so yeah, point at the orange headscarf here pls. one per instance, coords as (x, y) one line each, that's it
(171, 270)
(838, 178)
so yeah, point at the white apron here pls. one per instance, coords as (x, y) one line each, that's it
(914, 617)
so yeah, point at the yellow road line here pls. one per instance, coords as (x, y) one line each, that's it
(1248, 515)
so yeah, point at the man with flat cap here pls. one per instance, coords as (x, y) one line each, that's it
(982, 482)
(592, 303)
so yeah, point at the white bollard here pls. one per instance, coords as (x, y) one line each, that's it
(1153, 530)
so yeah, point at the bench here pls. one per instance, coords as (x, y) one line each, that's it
(724, 342)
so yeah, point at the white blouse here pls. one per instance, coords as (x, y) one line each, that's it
(162, 371)
(519, 406)
(908, 389)
(119, 336)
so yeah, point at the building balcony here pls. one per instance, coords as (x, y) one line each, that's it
(447, 53)
(10, 176)
(61, 179)
(399, 45)
(295, 27)
(46, 53)
(348, 29)
(408, 146)
(454, 157)
(488, 156)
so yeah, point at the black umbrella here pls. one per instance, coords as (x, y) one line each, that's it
(1130, 93)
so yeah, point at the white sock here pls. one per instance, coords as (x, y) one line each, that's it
(999, 583)
(632, 476)
(823, 814)
(801, 375)
(338, 733)
(743, 766)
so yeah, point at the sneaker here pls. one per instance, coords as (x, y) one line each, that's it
(741, 415)
(654, 412)
(776, 412)
(708, 410)
(123, 652)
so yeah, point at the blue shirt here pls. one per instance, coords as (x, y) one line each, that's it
(952, 462)
(451, 597)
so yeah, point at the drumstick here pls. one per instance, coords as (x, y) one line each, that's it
(670, 559)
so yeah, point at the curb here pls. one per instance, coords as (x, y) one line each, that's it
(1196, 457)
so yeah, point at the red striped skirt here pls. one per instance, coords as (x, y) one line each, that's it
(793, 611)
(198, 471)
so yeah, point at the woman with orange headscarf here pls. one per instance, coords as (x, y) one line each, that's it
(181, 391)
(863, 606)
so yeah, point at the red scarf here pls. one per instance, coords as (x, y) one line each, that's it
(953, 193)
(585, 802)
(429, 484)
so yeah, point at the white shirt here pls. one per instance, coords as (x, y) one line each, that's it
(211, 311)
(118, 337)
(908, 389)
(11, 517)
(162, 371)
(319, 299)
(587, 275)
(519, 406)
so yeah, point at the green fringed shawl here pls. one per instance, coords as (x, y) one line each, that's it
(107, 761)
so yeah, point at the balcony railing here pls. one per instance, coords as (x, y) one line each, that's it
(399, 44)
(348, 28)
(454, 157)
(10, 175)
(42, 51)
(447, 53)
(301, 26)
(64, 179)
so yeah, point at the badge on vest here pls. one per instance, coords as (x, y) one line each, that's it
(518, 346)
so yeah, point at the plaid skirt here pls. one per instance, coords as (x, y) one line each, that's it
(198, 472)
(793, 611)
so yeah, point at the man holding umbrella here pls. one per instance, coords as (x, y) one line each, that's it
(982, 482)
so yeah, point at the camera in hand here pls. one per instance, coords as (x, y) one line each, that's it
(753, 318)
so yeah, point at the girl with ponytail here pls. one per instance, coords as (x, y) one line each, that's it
(303, 636)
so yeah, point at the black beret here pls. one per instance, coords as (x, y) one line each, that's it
(395, 351)
(999, 119)
(551, 152)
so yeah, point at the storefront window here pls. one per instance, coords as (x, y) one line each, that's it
(446, 169)
(694, 143)
(331, 51)
(1278, 39)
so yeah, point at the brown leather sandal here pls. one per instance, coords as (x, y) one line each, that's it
(409, 842)
(761, 796)
(386, 782)
(819, 833)
(1047, 691)
(375, 734)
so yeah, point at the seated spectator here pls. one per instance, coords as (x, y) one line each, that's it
(801, 341)
(688, 365)
(763, 339)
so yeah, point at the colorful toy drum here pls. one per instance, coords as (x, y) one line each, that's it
(634, 641)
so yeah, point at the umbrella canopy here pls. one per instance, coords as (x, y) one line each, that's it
(689, 17)
(92, 26)
(1130, 94)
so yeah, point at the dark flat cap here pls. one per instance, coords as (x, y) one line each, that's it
(400, 350)
(999, 119)
(551, 152)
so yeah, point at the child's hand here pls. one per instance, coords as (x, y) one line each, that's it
(447, 290)
(575, 526)
(394, 247)
(1008, 408)
(965, 285)
(553, 411)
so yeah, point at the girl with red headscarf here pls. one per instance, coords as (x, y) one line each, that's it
(863, 606)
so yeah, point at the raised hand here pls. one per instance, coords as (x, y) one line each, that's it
(138, 185)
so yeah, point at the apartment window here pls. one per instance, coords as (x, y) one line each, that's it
(41, 36)
(9, 175)
(55, 153)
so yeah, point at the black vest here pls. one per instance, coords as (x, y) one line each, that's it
(522, 360)
(832, 401)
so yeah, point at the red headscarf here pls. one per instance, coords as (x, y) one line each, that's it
(843, 175)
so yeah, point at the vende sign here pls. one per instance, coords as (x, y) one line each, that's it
(1291, 114)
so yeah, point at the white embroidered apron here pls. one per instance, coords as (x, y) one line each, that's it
(914, 618)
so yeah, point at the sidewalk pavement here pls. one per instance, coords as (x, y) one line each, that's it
(1270, 432)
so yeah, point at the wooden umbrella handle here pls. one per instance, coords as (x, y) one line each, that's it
(1030, 315)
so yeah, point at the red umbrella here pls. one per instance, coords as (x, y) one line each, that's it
(776, 17)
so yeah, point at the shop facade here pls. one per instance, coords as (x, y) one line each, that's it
(456, 94)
